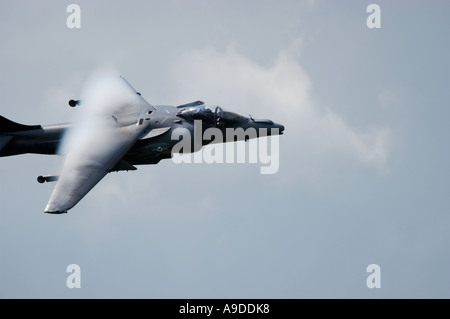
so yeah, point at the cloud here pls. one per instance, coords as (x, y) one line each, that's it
(283, 92)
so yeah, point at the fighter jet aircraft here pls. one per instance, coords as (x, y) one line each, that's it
(131, 132)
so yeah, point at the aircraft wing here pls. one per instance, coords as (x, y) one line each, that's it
(98, 142)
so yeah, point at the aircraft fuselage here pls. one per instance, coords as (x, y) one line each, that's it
(153, 146)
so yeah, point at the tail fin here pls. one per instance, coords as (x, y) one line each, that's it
(7, 126)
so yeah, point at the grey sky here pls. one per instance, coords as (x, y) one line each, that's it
(364, 171)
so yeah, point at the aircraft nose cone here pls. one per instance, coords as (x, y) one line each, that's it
(280, 127)
(269, 125)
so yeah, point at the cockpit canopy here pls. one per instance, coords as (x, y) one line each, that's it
(210, 115)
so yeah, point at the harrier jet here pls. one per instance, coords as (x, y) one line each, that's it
(129, 132)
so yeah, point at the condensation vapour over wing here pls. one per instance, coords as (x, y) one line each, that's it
(106, 129)
(108, 103)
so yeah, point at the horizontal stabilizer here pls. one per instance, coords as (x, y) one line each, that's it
(10, 126)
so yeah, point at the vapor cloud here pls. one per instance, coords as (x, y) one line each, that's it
(95, 142)
(103, 95)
